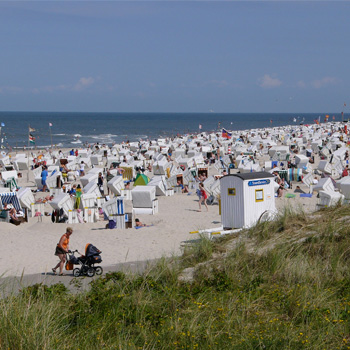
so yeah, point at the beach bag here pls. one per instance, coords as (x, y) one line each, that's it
(69, 265)
(112, 224)
(73, 260)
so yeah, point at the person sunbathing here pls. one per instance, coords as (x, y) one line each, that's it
(184, 188)
(14, 219)
(138, 223)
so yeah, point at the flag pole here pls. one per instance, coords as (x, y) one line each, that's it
(28, 154)
(50, 134)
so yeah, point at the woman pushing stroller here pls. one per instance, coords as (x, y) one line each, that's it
(62, 249)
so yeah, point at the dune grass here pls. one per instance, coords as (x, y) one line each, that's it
(283, 284)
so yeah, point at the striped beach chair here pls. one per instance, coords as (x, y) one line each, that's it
(10, 198)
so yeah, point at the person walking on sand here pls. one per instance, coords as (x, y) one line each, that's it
(203, 198)
(44, 175)
(62, 249)
(82, 168)
(78, 193)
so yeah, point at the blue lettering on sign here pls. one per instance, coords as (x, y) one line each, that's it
(258, 182)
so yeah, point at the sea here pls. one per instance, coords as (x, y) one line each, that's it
(65, 129)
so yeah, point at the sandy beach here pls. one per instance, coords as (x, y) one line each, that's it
(29, 248)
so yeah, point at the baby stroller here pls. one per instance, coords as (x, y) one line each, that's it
(87, 262)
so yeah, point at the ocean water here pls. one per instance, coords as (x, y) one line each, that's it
(112, 128)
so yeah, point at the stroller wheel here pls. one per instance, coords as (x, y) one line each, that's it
(99, 270)
(76, 272)
(90, 272)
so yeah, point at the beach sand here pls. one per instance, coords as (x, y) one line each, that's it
(29, 248)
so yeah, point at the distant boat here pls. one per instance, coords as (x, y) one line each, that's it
(294, 120)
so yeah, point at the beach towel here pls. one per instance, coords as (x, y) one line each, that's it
(308, 195)
(137, 227)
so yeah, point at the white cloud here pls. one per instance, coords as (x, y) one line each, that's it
(326, 81)
(268, 82)
(301, 84)
(84, 83)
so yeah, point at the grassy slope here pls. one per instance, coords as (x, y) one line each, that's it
(281, 285)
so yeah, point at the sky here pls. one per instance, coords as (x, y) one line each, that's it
(175, 56)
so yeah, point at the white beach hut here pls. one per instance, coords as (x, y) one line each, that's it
(245, 197)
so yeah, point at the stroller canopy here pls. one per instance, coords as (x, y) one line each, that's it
(91, 250)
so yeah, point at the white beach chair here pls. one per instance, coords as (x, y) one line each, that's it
(88, 200)
(6, 175)
(92, 188)
(330, 198)
(89, 177)
(160, 184)
(144, 200)
(62, 201)
(324, 184)
(26, 197)
(116, 184)
(160, 166)
(344, 185)
(114, 209)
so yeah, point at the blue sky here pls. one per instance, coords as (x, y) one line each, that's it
(175, 56)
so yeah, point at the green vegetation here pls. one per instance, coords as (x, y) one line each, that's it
(283, 284)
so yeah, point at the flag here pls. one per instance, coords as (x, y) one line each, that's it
(200, 126)
(31, 138)
(31, 129)
(2, 124)
(50, 124)
(226, 134)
